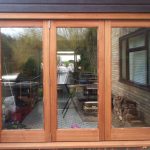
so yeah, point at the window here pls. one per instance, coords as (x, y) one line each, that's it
(67, 74)
(76, 103)
(134, 57)
(37, 83)
(22, 91)
(129, 66)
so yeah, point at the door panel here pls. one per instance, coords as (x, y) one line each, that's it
(23, 94)
(127, 80)
(77, 78)
(78, 55)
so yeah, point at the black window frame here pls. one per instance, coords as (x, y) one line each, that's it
(146, 33)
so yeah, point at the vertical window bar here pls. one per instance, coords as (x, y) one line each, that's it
(147, 49)
(120, 59)
(127, 60)
(0, 81)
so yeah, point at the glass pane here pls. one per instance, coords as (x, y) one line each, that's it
(137, 41)
(123, 58)
(77, 77)
(149, 58)
(22, 85)
(130, 97)
(138, 67)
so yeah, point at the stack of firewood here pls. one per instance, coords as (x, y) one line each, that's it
(124, 109)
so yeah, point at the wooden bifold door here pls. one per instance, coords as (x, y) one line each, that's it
(77, 80)
(65, 80)
(52, 86)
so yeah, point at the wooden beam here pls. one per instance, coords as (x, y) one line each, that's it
(75, 16)
(57, 145)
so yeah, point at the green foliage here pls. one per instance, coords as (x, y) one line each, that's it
(25, 50)
(28, 44)
(20, 48)
(6, 46)
(15, 125)
(66, 63)
(29, 69)
(40, 92)
(69, 38)
(89, 51)
(6, 52)
(83, 41)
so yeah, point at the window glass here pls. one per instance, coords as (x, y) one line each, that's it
(138, 67)
(149, 58)
(123, 58)
(77, 77)
(22, 85)
(131, 96)
(137, 41)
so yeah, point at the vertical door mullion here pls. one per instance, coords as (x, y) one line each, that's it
(53, 80)
(0, 82)
(46, 79)
(101, 79)
(107, 80)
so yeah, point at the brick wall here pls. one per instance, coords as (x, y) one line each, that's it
(141, 97)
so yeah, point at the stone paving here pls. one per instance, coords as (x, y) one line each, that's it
(72, 119)
(34, 120)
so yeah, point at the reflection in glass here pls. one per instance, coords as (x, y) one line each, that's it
(77, 77)
(137, 67)
(149, 57)
(123, 58)
(22, 100)
(130, 77)
(137, 41)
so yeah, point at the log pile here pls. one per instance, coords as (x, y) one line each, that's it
(124, 109)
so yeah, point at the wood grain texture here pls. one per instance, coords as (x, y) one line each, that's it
(77, 23)
(0, 83)
(101, 79)
(81, 134)
(77, 135)
(107, 80)
(32, 135)
(130, 134)
(22, 136)
(66, 145)
(53, 80)
(22, 23)
(135, 133)
(75, 16)
(50, 59)
(46, 80)
(130, 24)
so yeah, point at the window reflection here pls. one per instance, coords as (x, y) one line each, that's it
(77, 77)
(22, 88)
(130, 77)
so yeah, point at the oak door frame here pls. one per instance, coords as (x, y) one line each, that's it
(33, 135)
(77, 134)
(135, 133)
